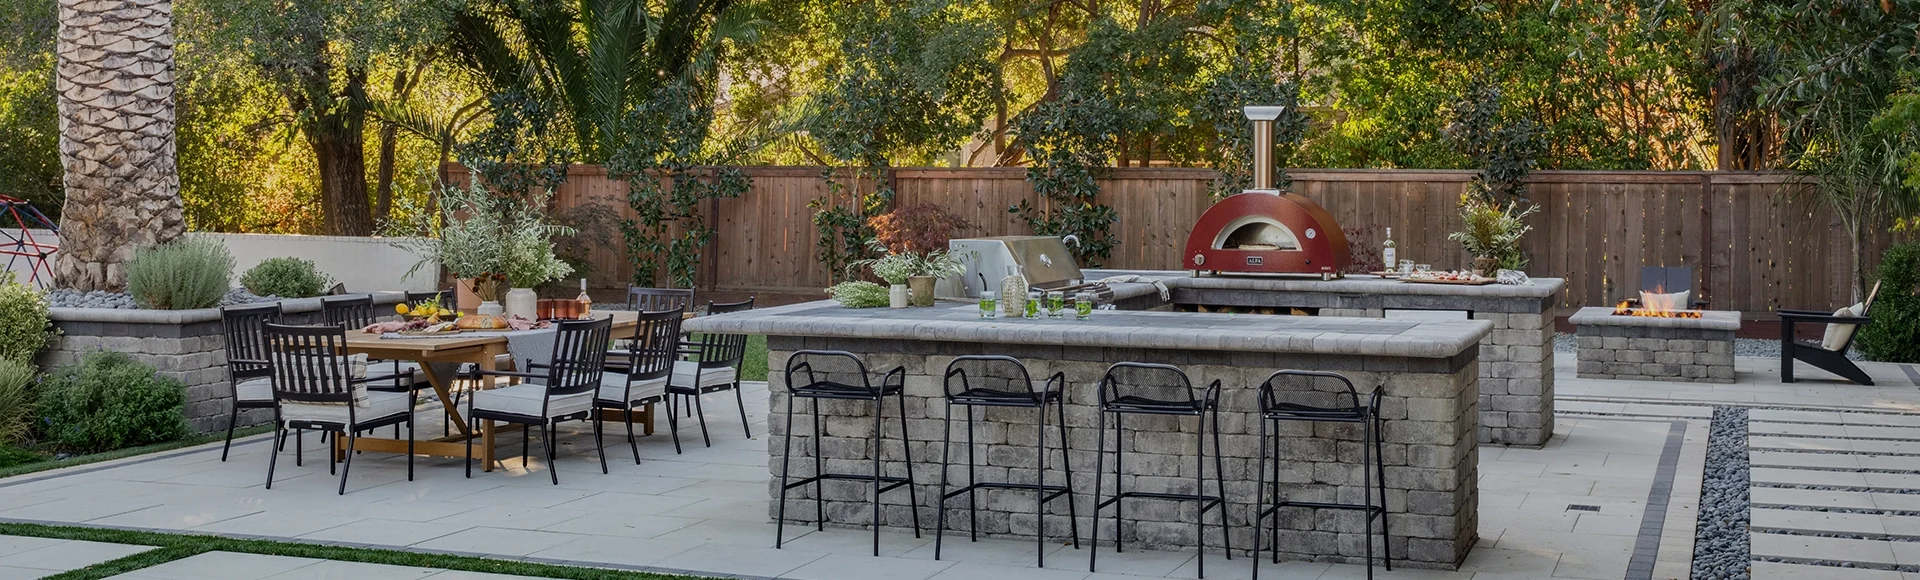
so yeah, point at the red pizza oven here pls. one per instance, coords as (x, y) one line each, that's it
(1264, 230)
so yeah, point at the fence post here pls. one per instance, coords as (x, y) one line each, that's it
(1706, 235)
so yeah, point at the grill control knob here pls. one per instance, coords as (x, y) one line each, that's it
(1199, 259)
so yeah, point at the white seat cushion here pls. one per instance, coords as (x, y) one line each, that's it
(257, 389)
(525, 399)
(684, 372)
(1837, 334)
(379, 405)
(613, 387)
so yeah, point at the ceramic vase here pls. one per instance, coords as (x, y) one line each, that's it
(897, 296)
(490, 308)
(523, 302)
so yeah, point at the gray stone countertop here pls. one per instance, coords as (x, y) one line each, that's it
(144, 316)
(1709, 319)
(1352, 284)
(1113, 329)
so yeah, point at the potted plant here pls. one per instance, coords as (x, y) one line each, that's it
(895, 269)
(933, 266)
(487, 242)
(527, 258)
(922, 232)
(1491, 233)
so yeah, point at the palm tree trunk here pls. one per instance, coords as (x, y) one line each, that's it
(116, 84)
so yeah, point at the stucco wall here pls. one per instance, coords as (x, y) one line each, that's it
(363, 264)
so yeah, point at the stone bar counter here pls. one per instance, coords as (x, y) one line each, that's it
(1428, 369)
(1516, 360)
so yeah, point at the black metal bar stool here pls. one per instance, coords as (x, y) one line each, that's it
(1131, 388)
(1002, 381)
(1273, 411)
(819, 385)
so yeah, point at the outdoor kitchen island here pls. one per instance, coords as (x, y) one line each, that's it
(1516, 359)
(1428, 370)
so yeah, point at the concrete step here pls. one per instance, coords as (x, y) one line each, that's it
(1837, 549)
(1842, 445)
(1780, 571)
(1886, 419)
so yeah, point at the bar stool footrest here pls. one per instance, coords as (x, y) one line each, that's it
(1051, 491)
(1207, 501)
(1325, 505)
(886, 483)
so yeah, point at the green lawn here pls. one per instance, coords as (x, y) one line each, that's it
(177, 546)
(754, 368)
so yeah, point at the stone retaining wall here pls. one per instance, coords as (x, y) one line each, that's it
(183, 344)
(1431, 408)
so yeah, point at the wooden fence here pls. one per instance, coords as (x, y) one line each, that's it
(1760, 239)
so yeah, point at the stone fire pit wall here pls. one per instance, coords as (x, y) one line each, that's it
(1696, 350)
(182, 344)
(1429, 439)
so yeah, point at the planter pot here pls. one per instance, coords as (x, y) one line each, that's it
(464, 298)
(489, 308)
(523, 302)
(897, 296)
(1486, 266)
(920, 290)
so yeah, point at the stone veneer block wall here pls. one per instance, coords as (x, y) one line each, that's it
(1698, 350)
(1430, 406)
(183, 344)
(1516, 361)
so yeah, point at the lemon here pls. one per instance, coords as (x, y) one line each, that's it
(400, 308)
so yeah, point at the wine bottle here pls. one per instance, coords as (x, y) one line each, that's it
(586, 302)
(1387, 252)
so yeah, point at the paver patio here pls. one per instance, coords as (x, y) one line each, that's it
(1615, 492)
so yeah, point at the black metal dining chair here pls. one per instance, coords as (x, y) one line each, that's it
(565, 390)
(248, 370)
(715, 367)
(657, 299)
(318, 386)
(354, 312)
(636, 376)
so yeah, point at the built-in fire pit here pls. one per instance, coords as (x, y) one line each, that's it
(1656, 344)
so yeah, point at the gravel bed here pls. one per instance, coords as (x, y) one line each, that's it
(1721, 545)
(1563, 343)
(66, 298)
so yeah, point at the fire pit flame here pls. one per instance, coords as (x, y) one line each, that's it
(1625, 308)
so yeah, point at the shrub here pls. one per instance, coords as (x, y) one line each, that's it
(16, 400)
(109, 401)
(1894, 335)
(917, 229)
(286, 278)
(11, 456)
(179, 275)
(23, 321)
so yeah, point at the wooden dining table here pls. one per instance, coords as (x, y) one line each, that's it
(481, 351)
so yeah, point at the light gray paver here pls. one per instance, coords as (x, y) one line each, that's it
(24, 557)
